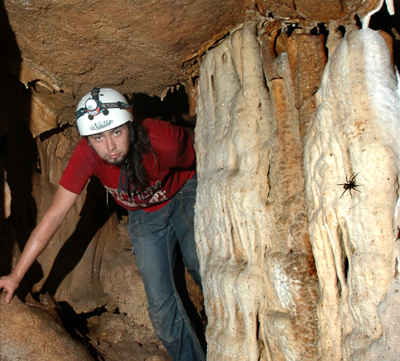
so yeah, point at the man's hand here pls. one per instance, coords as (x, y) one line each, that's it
(9, 284)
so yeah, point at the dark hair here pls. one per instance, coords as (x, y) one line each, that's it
(136, 174)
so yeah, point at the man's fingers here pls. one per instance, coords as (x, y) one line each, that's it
(9, 295)
(6, 285)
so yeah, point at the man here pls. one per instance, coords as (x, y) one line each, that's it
(149, 169)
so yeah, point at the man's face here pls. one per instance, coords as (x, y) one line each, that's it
(111, 145)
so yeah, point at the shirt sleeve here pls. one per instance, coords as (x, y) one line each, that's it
(79, 168)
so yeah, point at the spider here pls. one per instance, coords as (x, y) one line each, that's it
(350, 184)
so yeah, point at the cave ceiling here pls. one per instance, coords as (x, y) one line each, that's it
(60, 49)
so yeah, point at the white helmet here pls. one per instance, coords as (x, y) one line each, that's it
(102, 109)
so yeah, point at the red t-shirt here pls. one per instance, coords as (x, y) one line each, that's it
(171, 165)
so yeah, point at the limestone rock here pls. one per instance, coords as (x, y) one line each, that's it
(29, 333)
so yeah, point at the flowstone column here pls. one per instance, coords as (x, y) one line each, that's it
(259, 276)
(355, 236)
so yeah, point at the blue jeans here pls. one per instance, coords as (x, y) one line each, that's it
(154, 237)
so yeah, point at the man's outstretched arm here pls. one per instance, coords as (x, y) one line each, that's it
(62, 202)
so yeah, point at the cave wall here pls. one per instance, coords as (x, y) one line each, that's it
(293, 267)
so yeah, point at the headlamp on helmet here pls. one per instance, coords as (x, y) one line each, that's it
(92, 106)
(102, 109)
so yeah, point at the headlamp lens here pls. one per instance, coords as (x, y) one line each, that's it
(91, 105)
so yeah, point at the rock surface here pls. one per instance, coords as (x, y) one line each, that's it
(30, 333)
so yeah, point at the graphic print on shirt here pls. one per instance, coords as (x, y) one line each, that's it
(150, 196)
